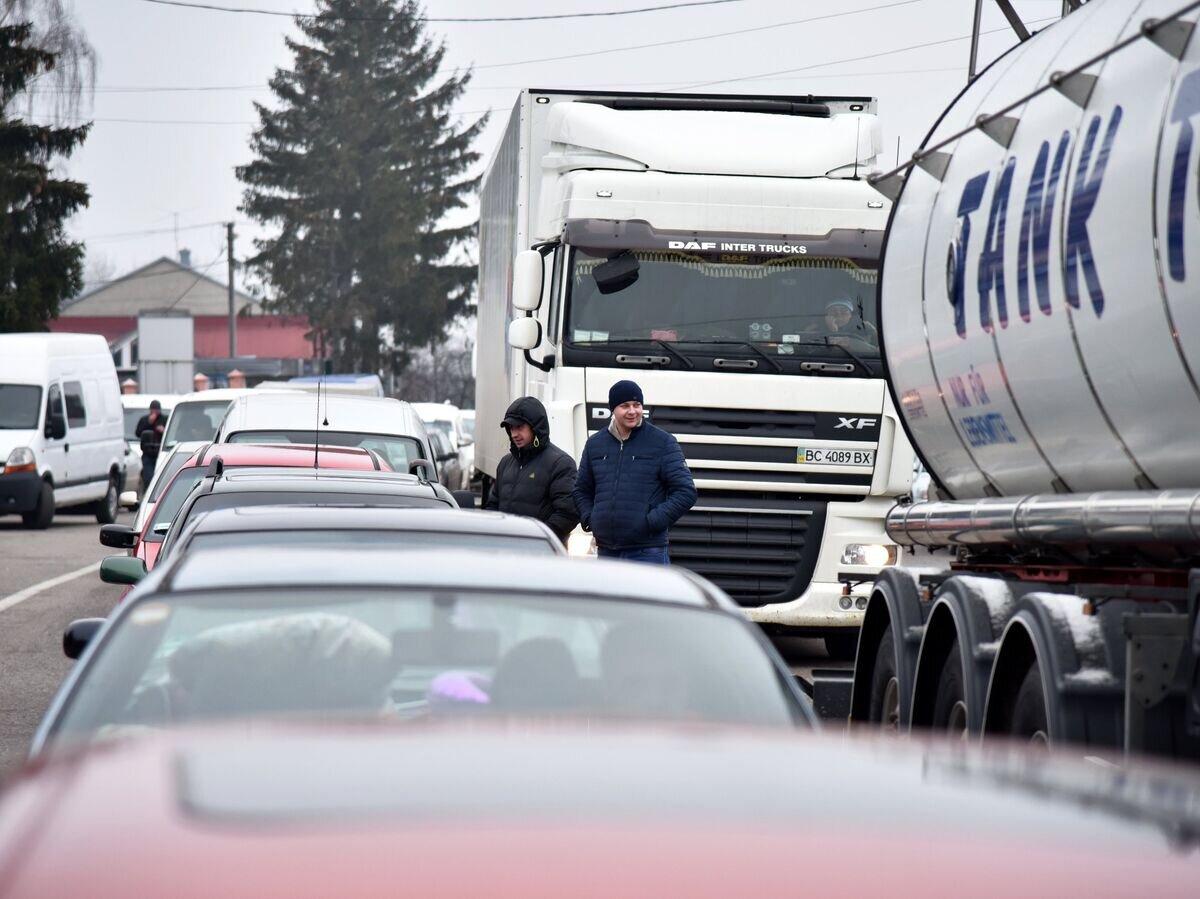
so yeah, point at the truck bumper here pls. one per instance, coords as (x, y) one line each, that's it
(19, 492)
(822, 605)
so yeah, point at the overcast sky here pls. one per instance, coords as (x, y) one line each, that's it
(174, 87)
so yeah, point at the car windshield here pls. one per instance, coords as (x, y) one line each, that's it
(398, 451)
(132, 417)
(381, 539)
(782, 305)
(19, 406)
(180, 486)
(412, 654)
(194, 420)
(468, 425)
(174, 462)
(441, 426)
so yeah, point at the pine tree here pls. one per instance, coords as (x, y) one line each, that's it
(357, 166)
(39, 266)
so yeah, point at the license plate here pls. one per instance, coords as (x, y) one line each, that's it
(863, 458)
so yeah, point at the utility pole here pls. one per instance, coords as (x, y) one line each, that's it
(232, 310)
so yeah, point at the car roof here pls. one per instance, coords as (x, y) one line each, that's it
(297, 410)
(436, 411)
(350, 567)
(327, 809)
(286, 454)
(132, 401)
(382, 518)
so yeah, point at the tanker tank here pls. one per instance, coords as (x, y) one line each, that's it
(1039, 306)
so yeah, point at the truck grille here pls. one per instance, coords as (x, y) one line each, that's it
(755, 556)
(734, 422)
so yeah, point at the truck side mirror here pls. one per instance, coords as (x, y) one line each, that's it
(524, 333)
(527, 280)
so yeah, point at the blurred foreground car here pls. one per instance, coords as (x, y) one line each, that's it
(367, 526)
(364, 632)
(355, 810)
(186, 473)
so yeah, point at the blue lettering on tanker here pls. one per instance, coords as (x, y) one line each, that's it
(970, 200)
(985, 430)
(1084, 191)
(1187, 104)
(991, 257)
(1035, 227)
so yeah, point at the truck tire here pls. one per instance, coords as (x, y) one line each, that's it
(949, 702)
(108, 508)
(43, 513)
(1029, 719)
(885, 686)
(842, 647)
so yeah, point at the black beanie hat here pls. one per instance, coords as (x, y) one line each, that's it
(623, 392)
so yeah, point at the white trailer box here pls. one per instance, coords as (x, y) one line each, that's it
(742, 219)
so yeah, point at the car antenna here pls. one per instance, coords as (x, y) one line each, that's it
(317, 430)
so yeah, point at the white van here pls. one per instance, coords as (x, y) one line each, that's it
(61, 432)
(386, 426)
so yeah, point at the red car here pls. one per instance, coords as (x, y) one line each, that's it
(369, 809)
(145, 546)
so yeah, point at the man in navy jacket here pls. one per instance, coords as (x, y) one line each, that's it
(633, 482)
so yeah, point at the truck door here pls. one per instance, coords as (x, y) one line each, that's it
(54, 451)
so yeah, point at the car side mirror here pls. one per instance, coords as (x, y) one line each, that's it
(78, 634)
(118, 536)
(466, 440)
(527, 280)
(524, 333)
(464, 498)
(56, 427)
(128, 499)
(122, 570)
(423, 469)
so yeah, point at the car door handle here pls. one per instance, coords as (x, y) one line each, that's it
(66, 447)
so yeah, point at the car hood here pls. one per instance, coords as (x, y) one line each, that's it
(286, 809)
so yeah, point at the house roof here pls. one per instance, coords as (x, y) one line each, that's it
(162, 284)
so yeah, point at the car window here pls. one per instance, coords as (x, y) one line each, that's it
(132, 417)
(174, 462)
(398, 451)
(382, 539)
(181, 485)
(409, 654)
(76, 410)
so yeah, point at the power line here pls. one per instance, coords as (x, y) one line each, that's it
(120, 235)
(212, 7)
(689, 40)
(817, 65)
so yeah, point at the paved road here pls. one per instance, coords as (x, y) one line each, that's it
(31, 661)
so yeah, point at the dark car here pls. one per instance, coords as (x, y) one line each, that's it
(360, 810)
(388, 528)
(267, 631)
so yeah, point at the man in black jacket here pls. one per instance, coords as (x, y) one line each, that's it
(537, 479)
(149, 431)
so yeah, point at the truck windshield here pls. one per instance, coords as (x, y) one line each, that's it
(783, 305)
(19, 407)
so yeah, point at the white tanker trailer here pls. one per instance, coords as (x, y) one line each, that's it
(1040, 318)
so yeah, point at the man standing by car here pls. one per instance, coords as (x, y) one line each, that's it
(536, 479)
(149, 431)
(633, 482)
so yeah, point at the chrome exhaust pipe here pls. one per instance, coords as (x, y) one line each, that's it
(1059, 519)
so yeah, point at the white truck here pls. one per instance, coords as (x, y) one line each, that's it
(1041, 323)
(722, 251)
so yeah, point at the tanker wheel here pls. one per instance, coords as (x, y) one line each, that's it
(885, 686)
(1029, 719)
(950, 703)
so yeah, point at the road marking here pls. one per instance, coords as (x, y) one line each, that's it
(19, 597)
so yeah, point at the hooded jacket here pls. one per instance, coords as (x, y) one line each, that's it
(538, 480)
(630, 492)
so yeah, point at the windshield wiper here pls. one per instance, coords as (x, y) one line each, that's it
(735, 342)
(666, 345)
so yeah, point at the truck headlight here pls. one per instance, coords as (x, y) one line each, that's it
(581, 545)
(20, 459)
(876, 555)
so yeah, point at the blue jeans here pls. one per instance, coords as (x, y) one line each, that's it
(655, 555)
